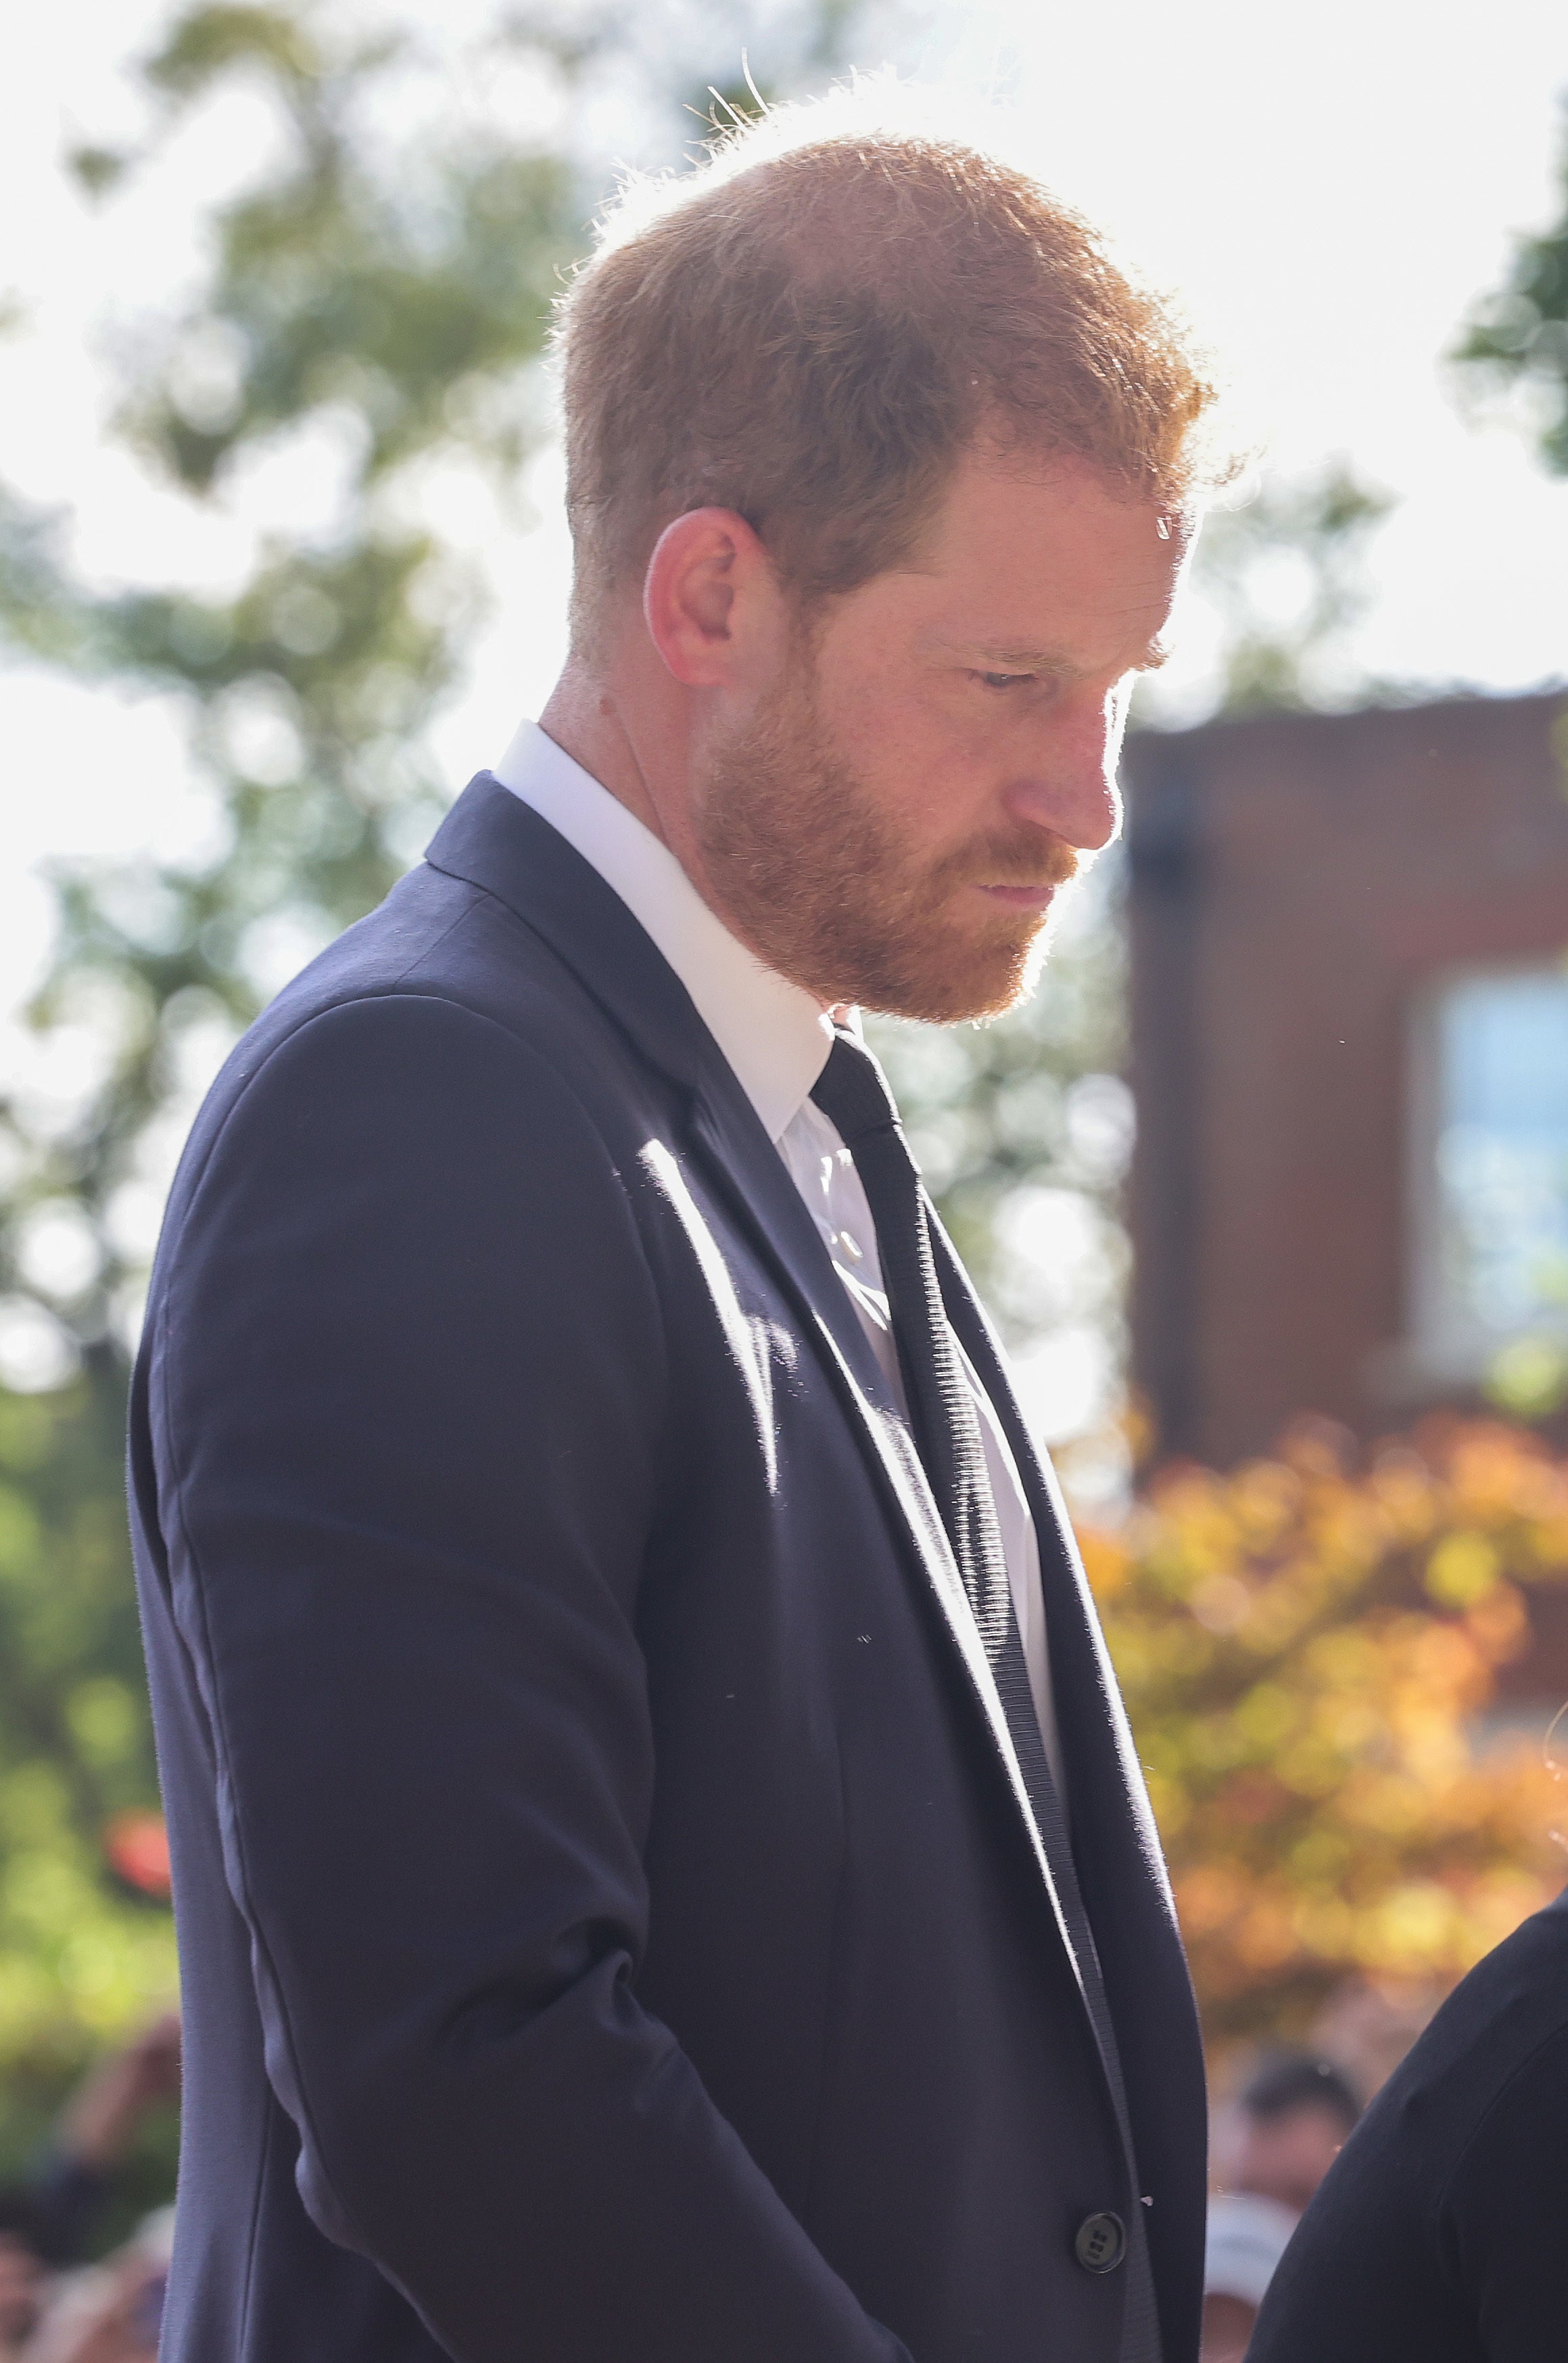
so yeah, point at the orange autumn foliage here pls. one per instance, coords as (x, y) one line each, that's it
(1311, 1654)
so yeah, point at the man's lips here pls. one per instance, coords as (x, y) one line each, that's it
(1024, 898)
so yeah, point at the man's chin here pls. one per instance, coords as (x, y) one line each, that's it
(967, 986)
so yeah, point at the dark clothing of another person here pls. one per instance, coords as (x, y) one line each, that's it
(68, 2200)
(613, 1925)
(56, 2212)
(1441, 2232)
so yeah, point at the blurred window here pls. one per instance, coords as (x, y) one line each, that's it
(1494, 1240)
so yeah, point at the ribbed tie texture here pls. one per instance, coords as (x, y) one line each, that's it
(853, 1091)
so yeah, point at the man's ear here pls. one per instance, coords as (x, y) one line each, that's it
(711, 600)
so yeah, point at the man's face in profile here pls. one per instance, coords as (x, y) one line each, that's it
(893, 819)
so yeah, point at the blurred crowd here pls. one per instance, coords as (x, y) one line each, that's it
(1273, 2145)
(1277, 2127)
(56, 2306)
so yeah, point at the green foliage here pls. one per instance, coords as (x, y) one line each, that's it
(1527, 1378)
(39, 616)
(1286, 576)
(81, 1962)
(397, 317)
(1516, 337)
(410, 303)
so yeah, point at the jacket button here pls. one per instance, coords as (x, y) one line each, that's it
(1100, 2243)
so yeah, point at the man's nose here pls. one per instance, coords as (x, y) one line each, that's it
(1070, 787)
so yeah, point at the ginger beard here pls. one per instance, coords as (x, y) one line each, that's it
(810, 872)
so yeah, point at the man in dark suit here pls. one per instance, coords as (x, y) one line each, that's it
(662, 1873)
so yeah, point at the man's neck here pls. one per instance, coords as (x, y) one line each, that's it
(584, 719)
(583, 715)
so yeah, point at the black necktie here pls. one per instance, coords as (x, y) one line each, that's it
(853, 1091)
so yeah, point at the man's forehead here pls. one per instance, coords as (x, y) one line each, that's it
(1031, 599)
(1060, 483)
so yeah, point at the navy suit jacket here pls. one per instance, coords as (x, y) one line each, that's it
(611, 1926)
(1437, 2235)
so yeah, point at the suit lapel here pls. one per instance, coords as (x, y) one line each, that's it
(743, 1162)
(495, 842)
(737, 1151)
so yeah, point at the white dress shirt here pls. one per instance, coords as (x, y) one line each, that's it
(777, 1038)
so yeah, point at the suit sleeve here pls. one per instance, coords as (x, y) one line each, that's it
(409, 1392)
(1502, 2214)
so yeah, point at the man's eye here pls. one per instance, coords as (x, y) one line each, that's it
(1006, 680)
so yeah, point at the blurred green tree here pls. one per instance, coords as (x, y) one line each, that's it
(1285, 574)
(1515, 343)
(81, 1957)
(384, 316)
(386, 307)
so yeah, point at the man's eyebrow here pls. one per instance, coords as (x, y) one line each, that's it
(1052, 662)
(996, 660)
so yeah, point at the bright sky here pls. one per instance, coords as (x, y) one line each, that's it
(1334, 186)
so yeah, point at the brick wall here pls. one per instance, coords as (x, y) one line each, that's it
(1296, 880)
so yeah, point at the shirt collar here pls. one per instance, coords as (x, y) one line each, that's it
(773, 1033)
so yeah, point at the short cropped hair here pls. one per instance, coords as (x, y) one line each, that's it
(815, 323)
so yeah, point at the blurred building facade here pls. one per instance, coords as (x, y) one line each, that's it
(1350, 1056)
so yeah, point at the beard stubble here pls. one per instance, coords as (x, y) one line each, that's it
(808, 871)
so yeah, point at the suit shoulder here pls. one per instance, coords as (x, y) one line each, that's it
(441, 936)
(1505, 2060)
(435, 943)
(373, 1089)
(1511, 2010)
(1512, 2001)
